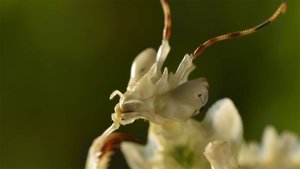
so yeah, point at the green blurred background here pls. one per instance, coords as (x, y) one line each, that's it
(60, 60)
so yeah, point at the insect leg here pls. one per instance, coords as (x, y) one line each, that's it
(115, 93)
(95, 150)
(103, 153)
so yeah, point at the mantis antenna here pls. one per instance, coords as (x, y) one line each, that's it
(200, 49)
(167, 16)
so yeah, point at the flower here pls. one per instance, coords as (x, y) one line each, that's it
(179, 145)
(275, 152)
(216, 142)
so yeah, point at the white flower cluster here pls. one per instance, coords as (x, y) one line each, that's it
(275, 152)
(217, 142)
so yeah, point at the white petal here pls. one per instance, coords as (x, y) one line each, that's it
(135, 155)
(220, 156)
(275, 152)
(225, 121)
(248, 154)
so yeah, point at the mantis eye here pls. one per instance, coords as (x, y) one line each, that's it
(141, 65)
(184, 101)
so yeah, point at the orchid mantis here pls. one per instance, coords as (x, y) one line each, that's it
(168, 101)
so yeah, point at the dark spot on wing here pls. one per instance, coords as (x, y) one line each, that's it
(142, 70)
